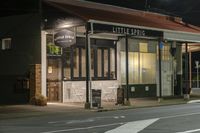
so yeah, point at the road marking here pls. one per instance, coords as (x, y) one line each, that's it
(133, 127)
(116, 117)
(84, 128)
(87, 120)
(122, 117)
(131, 124)
(174, 116)
(194, 101)
(190, 131)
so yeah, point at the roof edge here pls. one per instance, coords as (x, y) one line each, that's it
(113, 8)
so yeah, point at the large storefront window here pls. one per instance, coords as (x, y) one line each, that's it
(142, 62)
(103, 58)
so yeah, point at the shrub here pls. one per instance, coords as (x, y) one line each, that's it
(39, 100)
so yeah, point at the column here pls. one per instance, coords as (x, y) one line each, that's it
(179, 70)
(88, 65)
(127, 71)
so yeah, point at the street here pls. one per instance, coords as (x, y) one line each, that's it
(182, 118)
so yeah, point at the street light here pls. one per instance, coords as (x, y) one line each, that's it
(197, 67)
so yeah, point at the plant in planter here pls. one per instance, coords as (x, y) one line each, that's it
(39, 100)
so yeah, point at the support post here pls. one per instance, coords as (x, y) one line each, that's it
(160, 71)
(88, 79)
(190, 69)
(127, 72)
(179, 68)
(186, 95)
(197, 67)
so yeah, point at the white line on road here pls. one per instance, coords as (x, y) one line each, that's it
(190, 131)
(173, 116)
(133, 127)
(107, 125)
(194, 101)
(84, 128)
(86, 120)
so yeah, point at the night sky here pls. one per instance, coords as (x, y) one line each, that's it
(187, 9)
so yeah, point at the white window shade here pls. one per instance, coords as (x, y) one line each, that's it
(6, 43)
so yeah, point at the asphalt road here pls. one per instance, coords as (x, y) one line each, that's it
(183, 118)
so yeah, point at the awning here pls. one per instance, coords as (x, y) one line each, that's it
(173, 28)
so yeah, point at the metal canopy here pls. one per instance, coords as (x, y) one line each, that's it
(182, 36)
(110, 27)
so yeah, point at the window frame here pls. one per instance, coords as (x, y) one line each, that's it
(95, 47)
(3, 44)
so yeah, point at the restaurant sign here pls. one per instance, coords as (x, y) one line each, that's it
(64, 38)
(105, 28)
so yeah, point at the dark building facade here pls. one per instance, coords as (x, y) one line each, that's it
(70, 47)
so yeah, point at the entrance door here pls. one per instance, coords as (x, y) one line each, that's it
(54, 79)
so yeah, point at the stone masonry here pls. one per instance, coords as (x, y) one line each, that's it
(35, 80)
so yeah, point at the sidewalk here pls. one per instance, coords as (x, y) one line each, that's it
(18, 111)
(144, 102)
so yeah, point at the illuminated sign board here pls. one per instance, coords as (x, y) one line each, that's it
(105, 28)
(64, 38)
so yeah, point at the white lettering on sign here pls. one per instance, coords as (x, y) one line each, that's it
(128, 31)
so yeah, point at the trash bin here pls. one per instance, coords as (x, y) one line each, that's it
(96, 98)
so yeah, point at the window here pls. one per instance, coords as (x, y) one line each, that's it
(103, 60)
(66, 64)
(6, 43)
(142, 62)
(165, 52)
(52, 49)
(106, 63)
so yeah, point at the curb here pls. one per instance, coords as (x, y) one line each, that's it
(137, 107)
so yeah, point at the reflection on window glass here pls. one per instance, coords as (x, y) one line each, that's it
(112, 63)
(105, 63)
(147, 68)
(83, 63)
(92, 63)
(133, 67)
(123, 67)
(66, 63)
(141, 64)
(99, 63)
(76, 62)
(143, 47)
(165, 52)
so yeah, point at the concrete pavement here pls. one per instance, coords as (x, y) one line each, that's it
(18, 111)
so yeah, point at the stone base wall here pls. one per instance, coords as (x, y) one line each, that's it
(75, 91)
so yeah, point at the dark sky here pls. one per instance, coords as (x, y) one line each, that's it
(187, 9)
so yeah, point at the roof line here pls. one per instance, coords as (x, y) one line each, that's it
(105, 7)
(142, 27)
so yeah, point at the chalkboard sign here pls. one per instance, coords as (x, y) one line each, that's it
(96, 98)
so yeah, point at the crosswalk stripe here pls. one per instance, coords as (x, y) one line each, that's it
(133, 127)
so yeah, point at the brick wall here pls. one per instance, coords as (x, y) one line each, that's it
(35, 79)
